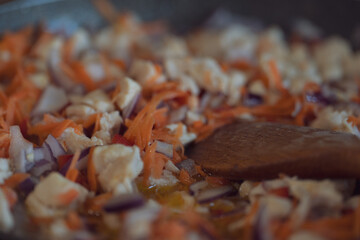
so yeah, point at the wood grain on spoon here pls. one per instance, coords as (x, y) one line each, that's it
(263, 150)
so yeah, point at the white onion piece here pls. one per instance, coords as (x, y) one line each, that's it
(127, 111)
(55, 147)
(165, 148)
(56, 74)
(196, 188)
(178, 115)
(21, 151)
(51, 100)
(212, 194)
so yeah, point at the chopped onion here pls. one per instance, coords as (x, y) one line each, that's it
(188, 165)
(21, 151)
(39, 153)
(55, 147)
(51, 100)
(196, 188)
(27, 186)
(81, 163)
(56, 74)
(212, 194)
(261, 229)
(42, 167)
(127, 111)
(178, 115)
(204, 101)
(164, 148)
(124, 202)
(253, 100)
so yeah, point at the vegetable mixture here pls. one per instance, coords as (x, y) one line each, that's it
(94, 127)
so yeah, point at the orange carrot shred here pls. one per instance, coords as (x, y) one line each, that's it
(184, 177)
(15, 179)
(68, 197)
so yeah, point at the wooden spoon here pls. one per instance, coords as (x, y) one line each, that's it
(263, 150)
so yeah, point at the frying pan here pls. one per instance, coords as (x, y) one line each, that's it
(332, 16)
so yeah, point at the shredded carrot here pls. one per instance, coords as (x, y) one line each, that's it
(72, 172)
(185, 178)
(51, 125)
(141, 127)
(249, 219)
(91, 172)
(158, 165)
(73, 221)
(148, 160)
(10, 195)
(68, 197)
(15, 179)
(95, 204)
(274, 75)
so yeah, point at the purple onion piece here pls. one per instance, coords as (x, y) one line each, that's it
(252, 100)
(39, 153)
(48, 155)
(188, 165)
(204, 101)
(55, 147)
(52, 100)
(197, 187)
(212, 194)
(82, 163)
(178, 115)
(124, 202)
(165, 148)
(128, 110)
(42, 167)
(65, 168)
(27, 186)
(261, 230)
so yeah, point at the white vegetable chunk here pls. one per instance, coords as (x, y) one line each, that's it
(117, 165)
(46, 200)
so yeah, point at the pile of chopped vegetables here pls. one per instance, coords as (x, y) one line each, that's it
(94, 126)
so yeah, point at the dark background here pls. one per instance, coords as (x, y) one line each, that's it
(333, 16)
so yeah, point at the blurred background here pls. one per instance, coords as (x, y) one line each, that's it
(332, 16)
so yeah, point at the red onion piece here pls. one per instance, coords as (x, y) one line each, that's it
(178, 115)
(128, 110)
(39, 153)
(204, 101)
(188, 165)
(27, 186)
(197, 187)
(212, 194)
(55, 147)
(51, 100)
(261, 229)
(57, 75)
(124, 202)
(81, 163)
(164, 148)
(42, 167)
